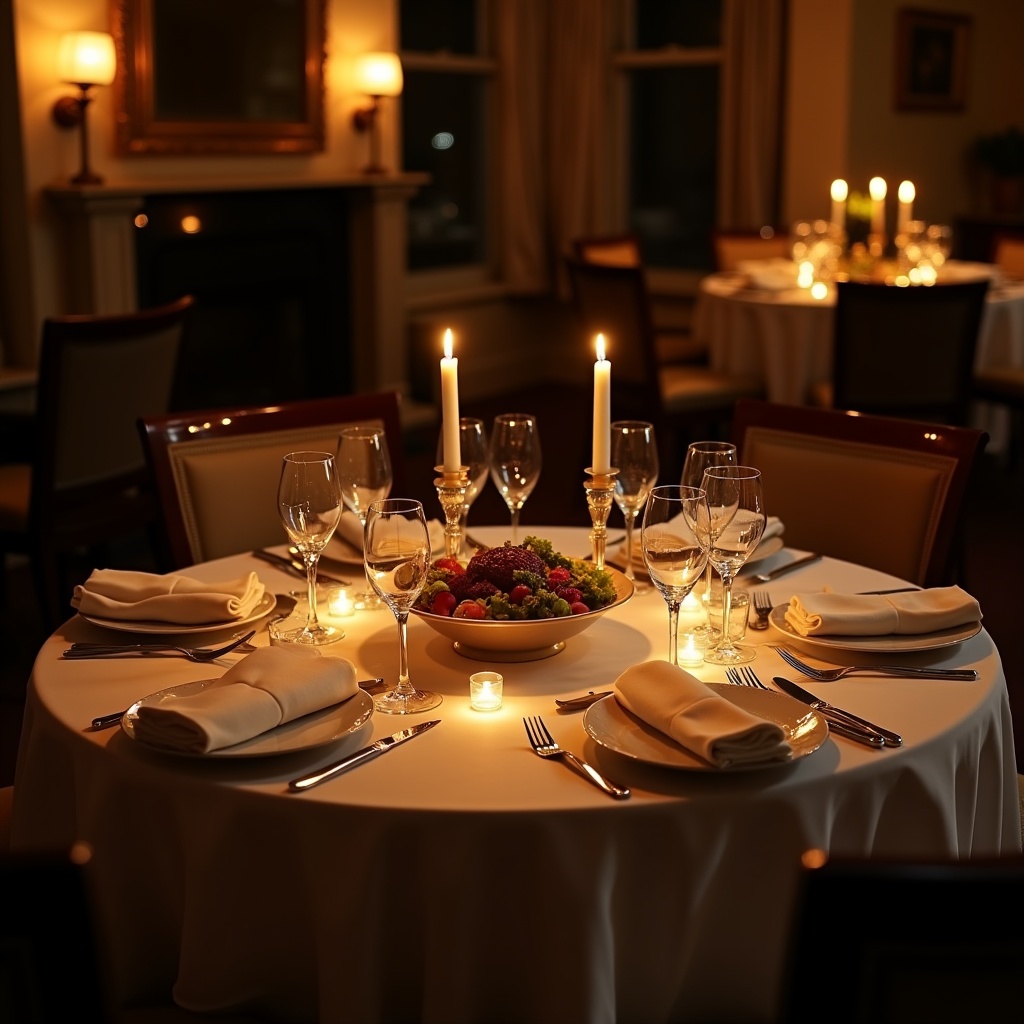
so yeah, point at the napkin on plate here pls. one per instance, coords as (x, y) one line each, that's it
(773, 527)
(150, 597)
(917, 611)
(267, 688)
(705, 723)
(347, 542)
(775, 275)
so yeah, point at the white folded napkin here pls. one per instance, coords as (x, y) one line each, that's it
(776, 274)
(681, 706)
(773, 527)
(150, 597)
(917, 611)
(347, 542)
(267, 688)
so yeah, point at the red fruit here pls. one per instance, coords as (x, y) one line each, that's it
(578, 608)
(519, 592)
(570, 594)
(469, 610)
(499, 565)
(449, 565)
(443, 603)
(558, 576)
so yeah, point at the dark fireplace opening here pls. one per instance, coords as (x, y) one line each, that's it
(270, 274)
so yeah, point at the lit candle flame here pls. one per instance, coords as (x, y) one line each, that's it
(448, 343)
(840, 190)
(877, 188)
(600, 347)
(906, 192)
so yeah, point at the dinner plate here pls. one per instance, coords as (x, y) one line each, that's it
(316, 729)
(767, 548)
(608, 723)
(891, 643)
(267, 604)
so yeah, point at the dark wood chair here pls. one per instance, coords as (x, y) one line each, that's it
(86, 483)
(216, 471)
(907, 351)
(883, 492)
(731, 246)
(680, 399)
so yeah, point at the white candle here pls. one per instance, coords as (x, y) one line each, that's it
(839, 194)
(905, 194)
(450, 407)
(876, 188)
(602, 441)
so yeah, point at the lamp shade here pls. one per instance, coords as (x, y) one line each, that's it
(378, 74)
(86, 58)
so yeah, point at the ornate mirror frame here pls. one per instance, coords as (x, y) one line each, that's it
(272, 103)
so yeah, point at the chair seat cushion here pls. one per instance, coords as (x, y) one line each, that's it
(15, 488)
(679, 347)
(1002, 383)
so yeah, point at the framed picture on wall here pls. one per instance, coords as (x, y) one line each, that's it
(931, 59)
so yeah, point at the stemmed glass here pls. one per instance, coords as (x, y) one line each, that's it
(674, 541)
(701, 455)
(364, 469)
(635, 454)
(309, 504)
(736, 506)
(396, 553)
(473, 442)
(515, 461)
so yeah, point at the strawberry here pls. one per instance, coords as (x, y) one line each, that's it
(449, 565)
(558, 576)
(519, 592)
(469, 610)
(570, 594)
(578, 608)
(444, 602)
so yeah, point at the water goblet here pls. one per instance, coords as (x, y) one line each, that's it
(515, 461)
(473, 445)
(674, 540)
(364, 470)
(396, 553)
(737, 517)
(699, 456)
(309, 504)
(634, 453)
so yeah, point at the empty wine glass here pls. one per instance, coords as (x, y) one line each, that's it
(473, 445)
(364, 470)
(701, 455)
(309, 504)
(396, 553)
(736, 507)
(515, 461)
(635, 454)
(674, 541)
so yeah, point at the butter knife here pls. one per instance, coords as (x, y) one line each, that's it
(834, 714)
(297, 568)
(767, 577)
(381, 746)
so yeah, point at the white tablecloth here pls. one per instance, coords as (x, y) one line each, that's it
(462, 878)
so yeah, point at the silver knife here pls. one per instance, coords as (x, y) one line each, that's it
(297, 568)
(381, 746)
(582, 702)
(891, 739)
(767, 577)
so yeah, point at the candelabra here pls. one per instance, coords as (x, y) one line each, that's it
(451, 492)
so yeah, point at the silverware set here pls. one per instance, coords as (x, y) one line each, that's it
(828, 675)
(200, 654)
(544, 745)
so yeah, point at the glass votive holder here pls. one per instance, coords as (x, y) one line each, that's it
(690, 651)
(737, 614)
(485, 691)
(340, 604)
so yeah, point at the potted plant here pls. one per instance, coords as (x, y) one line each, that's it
(1002, 154)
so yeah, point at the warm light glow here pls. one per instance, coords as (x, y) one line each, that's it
(448, 343)
(141, 220)
(906, 192)
(819, 290)
(485, 691)
(340, 604)
(877, 189)
(599, 347)
(378, 74)
(191, 225)
(690, 654)
(86, 58)
(805, 274)
(840, 190)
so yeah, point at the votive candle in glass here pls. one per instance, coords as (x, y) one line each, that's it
(485, 691)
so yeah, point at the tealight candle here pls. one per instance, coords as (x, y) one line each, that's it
(690, 653)
(450, 407)
(485, 691)
(339, 604)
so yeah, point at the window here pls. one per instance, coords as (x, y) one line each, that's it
(449, 74)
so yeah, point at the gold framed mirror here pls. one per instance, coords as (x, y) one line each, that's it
(231, 76)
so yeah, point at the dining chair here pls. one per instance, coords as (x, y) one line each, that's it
(1008, 255)
(884, 492)
(216, 471)
(85, 483)
(906, 352)
(679, 398)
(913, 941)
(732, 246)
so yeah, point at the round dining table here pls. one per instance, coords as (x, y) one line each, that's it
(462, 878)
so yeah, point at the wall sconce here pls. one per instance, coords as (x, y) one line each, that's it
(377, 75)
(84, 59)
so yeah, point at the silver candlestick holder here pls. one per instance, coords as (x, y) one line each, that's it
(600, 488)
(451, 492)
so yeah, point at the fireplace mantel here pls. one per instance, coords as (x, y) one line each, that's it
(97, 223)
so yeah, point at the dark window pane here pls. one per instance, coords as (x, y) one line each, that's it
(438, 25)
(443, 134)
(673, 161)
(682, 22)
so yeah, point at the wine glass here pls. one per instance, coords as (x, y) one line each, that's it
(634, 454)
(364, 469)
(515, 461)
(473, 446)
(396, 553)
(674, 541)
(309, 504)
(700, 455)
(736, 506)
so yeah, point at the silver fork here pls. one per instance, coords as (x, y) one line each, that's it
(200, 654)
(544, 744)
(763, 607)
(744, 677)
(827, 675)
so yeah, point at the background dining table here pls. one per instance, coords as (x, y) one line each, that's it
(462, 878)
(785, 334)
